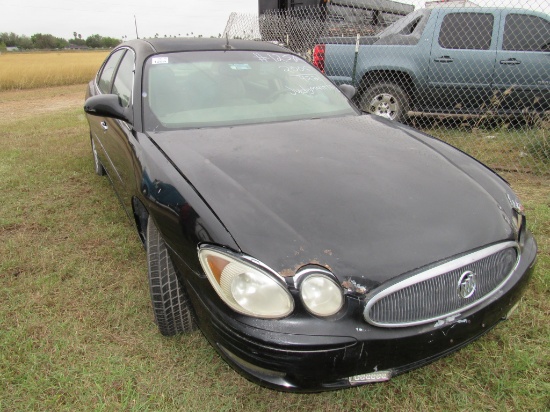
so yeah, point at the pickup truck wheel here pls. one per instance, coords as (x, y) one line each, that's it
(387, 100)
(171, 306)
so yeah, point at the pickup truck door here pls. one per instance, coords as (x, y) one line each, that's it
(522, 70)
(462, 61)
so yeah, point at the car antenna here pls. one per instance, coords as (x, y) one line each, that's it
(135, 22)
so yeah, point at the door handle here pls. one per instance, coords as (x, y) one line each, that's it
(104, 125)
(510, 62)
(444, 59)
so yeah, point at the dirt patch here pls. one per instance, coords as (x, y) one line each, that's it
(18, 104)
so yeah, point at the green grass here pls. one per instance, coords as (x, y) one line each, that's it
(77, 330)
(521, 149)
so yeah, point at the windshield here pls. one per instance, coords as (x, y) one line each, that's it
(216, 88)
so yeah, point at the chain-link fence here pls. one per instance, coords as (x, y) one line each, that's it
(476, 77)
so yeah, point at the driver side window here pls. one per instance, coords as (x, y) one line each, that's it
(105, 79)
(466, 31)
(124, 79)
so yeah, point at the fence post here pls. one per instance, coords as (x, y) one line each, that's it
(353, 82)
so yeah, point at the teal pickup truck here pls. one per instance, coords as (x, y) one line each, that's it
(454, 61)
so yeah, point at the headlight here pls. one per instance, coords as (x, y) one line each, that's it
(321, 295)
(245, 286)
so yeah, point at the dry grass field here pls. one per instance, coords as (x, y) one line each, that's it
(42, 69)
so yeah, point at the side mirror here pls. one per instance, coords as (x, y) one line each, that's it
(348, 90)
(107, 105)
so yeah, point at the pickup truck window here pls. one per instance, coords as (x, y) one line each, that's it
(472, 31)
(405, 32)
(526, 33)
(410, 27)
(407, 24)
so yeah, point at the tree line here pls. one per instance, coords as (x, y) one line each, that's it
(47, 41)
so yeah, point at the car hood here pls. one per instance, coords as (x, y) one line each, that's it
(366, 198)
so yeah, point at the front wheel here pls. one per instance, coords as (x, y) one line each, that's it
(171, 306)
(387, 100)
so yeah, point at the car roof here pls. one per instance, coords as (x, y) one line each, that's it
(147, 47)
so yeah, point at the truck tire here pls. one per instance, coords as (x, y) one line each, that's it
(171, 306)
(387, 100)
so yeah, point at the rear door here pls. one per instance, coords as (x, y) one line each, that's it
(462, 60)
(522, 72)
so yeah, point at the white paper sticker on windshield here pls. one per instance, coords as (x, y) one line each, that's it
(160, 60)
(240, 66)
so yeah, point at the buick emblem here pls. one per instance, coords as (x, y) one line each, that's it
(467, 284)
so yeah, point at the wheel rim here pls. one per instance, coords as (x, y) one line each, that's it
(384, 105)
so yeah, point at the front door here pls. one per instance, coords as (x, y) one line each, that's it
(462, 61)
(118, 139)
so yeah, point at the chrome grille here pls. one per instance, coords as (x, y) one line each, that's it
(434, 294)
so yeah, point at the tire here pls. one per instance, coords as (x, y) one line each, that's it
(98, 167)
(171, 306)
(386, 100)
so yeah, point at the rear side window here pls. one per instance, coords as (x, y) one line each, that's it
(124, 78)
(106, 77)
(409, 29)
(471, 31)
(526, 33)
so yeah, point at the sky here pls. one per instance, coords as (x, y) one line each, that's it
(115, 18)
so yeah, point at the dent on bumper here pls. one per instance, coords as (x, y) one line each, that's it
(307, 363)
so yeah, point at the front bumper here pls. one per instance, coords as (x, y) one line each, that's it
(347, 352)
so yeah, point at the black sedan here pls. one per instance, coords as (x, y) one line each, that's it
(315, 247)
